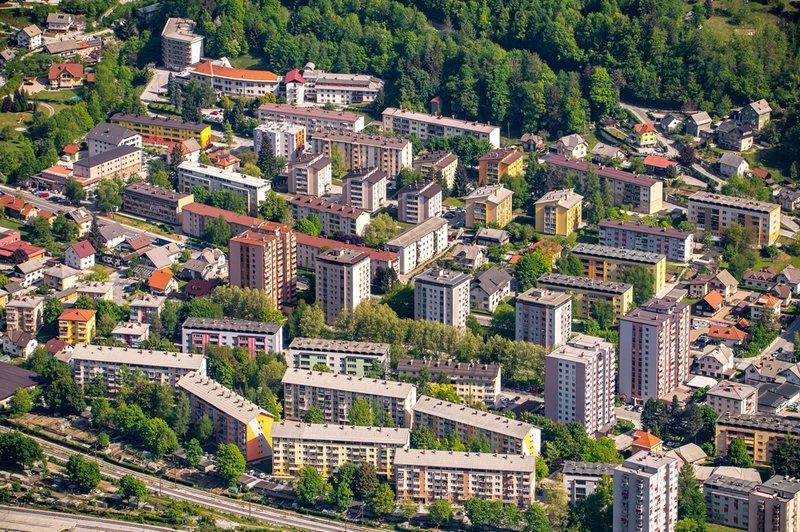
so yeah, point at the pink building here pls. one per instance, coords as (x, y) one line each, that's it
(579, 384)
(544, 317)
(254, 336)
(654, 354)
(265, 259)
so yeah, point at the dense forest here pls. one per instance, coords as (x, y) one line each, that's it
(528, 65)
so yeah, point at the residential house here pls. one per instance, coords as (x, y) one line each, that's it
(733, 398)
(763, 278)
(60, 22)
(571, 147)
(790, 276)
(61, 277)
(77, 326)
(97, 290)
(24, 314)
(731, 335)
(732, 164)
(489, 288)
(531, 142)
(19, 344)
(29, 37)
(670, 123)
(603, 152)
(723, 282)
(690, 453)
(767, 370)
(698, 124)
(647, 442)
(488, 237)
(783, 292)
(131, 333)
(32, 272)
(655, 164)
(710, 304)
(646, 135)
(716, 361)
(65, 75)
(469, 256)
(82, 218)
(731, 136)
(210, 263)
(145, 307)
(18, 208)
(765, 303)
(80, 255)
(789, 199)
(756, 114)
(162, 282)
(489, 204)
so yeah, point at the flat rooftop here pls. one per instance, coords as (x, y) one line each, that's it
(232, 325)
(342, 434)
(465, 461)
(544, 297)
(472, 417)
(309, 112)
(439, 120)
(731, 201)
(348, 383)
(637, 227)
(137, 357)
(221, 398)
(339, 346)
(442, 277)
(416, 233)
(223, 175)
(617, 254)
(571, 282)
(345, 136)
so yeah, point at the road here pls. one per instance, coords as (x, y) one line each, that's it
(30, 520)
(785, 341)
(204, 498)
(641, 113)
(48, 107)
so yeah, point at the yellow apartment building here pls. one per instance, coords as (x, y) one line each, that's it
(159, 130)
(77, 326)
(489, 205)
(715, 213)
(559, 212)
(761, 434)
(607, 263)
(586, 291)
(498, 163)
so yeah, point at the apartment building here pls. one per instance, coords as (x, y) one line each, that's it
(254, 336)
(587, 291)
(425, 476)
(443, 296)
(121, 162)
(29, 37)
(419, 202)
(286, 140)
(581, 478)
(756, 114)
(265, 259)
(130, 333)
(105, 136)
(733, 398)
(471, 380)
(309, 247)
(312, 85)
(654, 356)
(234, 81)
(505, 436)
(580, 378)
(365, 188)
(559, 212)
(433, 162)
(155, 203)
(728, 500)
(544, 317)
(25, 314)
(61, 277)
(340, 356)
(359, 150)
(761, 434)
(490, 204)
(343, 281)
(326, 447)
(88, 361)
(197, 215)
(419, 244)
(311, 175)
(180, 45)
(405, 122)
(775, 505)
(252, 190)
(646, 493)
(675, 244)
(335, 217)
(235, 419)
(76, 326)
(159, 130)
(606, 263)
(644, 194)
(715, 213)
(145, 307)
(498, 163)
(335, 393)
(312, 118)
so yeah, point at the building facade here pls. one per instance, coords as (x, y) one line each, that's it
(340, 356)
(286, 140)
(646, 494)
(235, 81)
(544, 317)
(25, 314)
(472, 381)
(498, 163)
(715, 213)
(419, 244)
(252, 190)
(335, 217)
(587, 291)
(675, 244)
(310, 175)
(265, 259)
(728, 501)
(581, 478)
(180, 45)
(775, 505)
(343, 280)
(761, 434)
(309, 247)
(606, 263)
(359, 150)
(490, 204)
(443, 296)
(312, 118)
(419, 202)
(559, 212)
(105, 136)
(431, 163)
(733, 398)
(76, 326)
(254, 336)
(155, 203)
(425, 126)
(159, 130)
(365, 189)
(119, 162)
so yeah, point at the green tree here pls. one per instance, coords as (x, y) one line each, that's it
(268, 163)
(786, 457)
(159, 438)
(381, 501)
(217, 232)
(460, 181)
(339, 166)
(96, 387)
(361, 414)
(444, 392)
(230, 463)
(108, 195)
(557, 503)
(204, 430)
(423, 438)
(602, 93)
(74, 191)
(181, 416)
(643, 283)
(309, 486)
(344, 496)
(440, 512)
(18, 451)
(83, 472)
(603, 313)
(569, 264)
(275, 208)
(102, 441)
(310, 225)
(194, 453)
(39, 231)
(131, 487)
(737, 455)
(21, 402)
(380, 230)
(530, 267)
(314, 415)
(536, 519)
(366, 481)
(64, 396)
(691, 503)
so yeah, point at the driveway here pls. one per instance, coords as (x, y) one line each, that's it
(641, 114)
(156, 85)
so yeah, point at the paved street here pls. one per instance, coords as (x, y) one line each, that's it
(30, 520)
(785, 341)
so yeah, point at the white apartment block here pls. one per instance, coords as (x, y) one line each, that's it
(311, 85)
(310, 175)
(654, 356)
(580, 379)
(29, 37)
(326, 447)
(286, 140)
(646, 494)
(471, 380)
(343, 281)
(118, 162)
(252, 189)
(335, 394)
(105, 136)
(419, 244)
(443, 296)
(359, 150)
(505, 435)
(425, 126)
(733, 398)
(88, 361)
(313, 118)
(775, 505)
(144, 307)
(419, 202)
(180, 46)
(675, 244)
(544, 317)
(341, 356)
(335, 217)
(365, 188)
(425, 476)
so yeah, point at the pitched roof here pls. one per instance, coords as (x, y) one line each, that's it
(721, 332)
(658, 162)
(645, 439)
(791, 274)
(760, 106)
(731, 159)
(641, 129)
(726, 278)
(56, 69)
(294, 76)
(208, 68)
(714, 299)
(13, 377)
(77, 314)
(160, 279)
(492, 280)
(110, 133)
(71, 149)
(83, 249)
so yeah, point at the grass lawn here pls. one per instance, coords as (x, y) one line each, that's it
(711, 527)
(772, 160)
(253, 60)
(15, 17)
(591, 139)
(454, 202)
(12, 119)
(66, 95)
(759, 15)
(144, 226)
